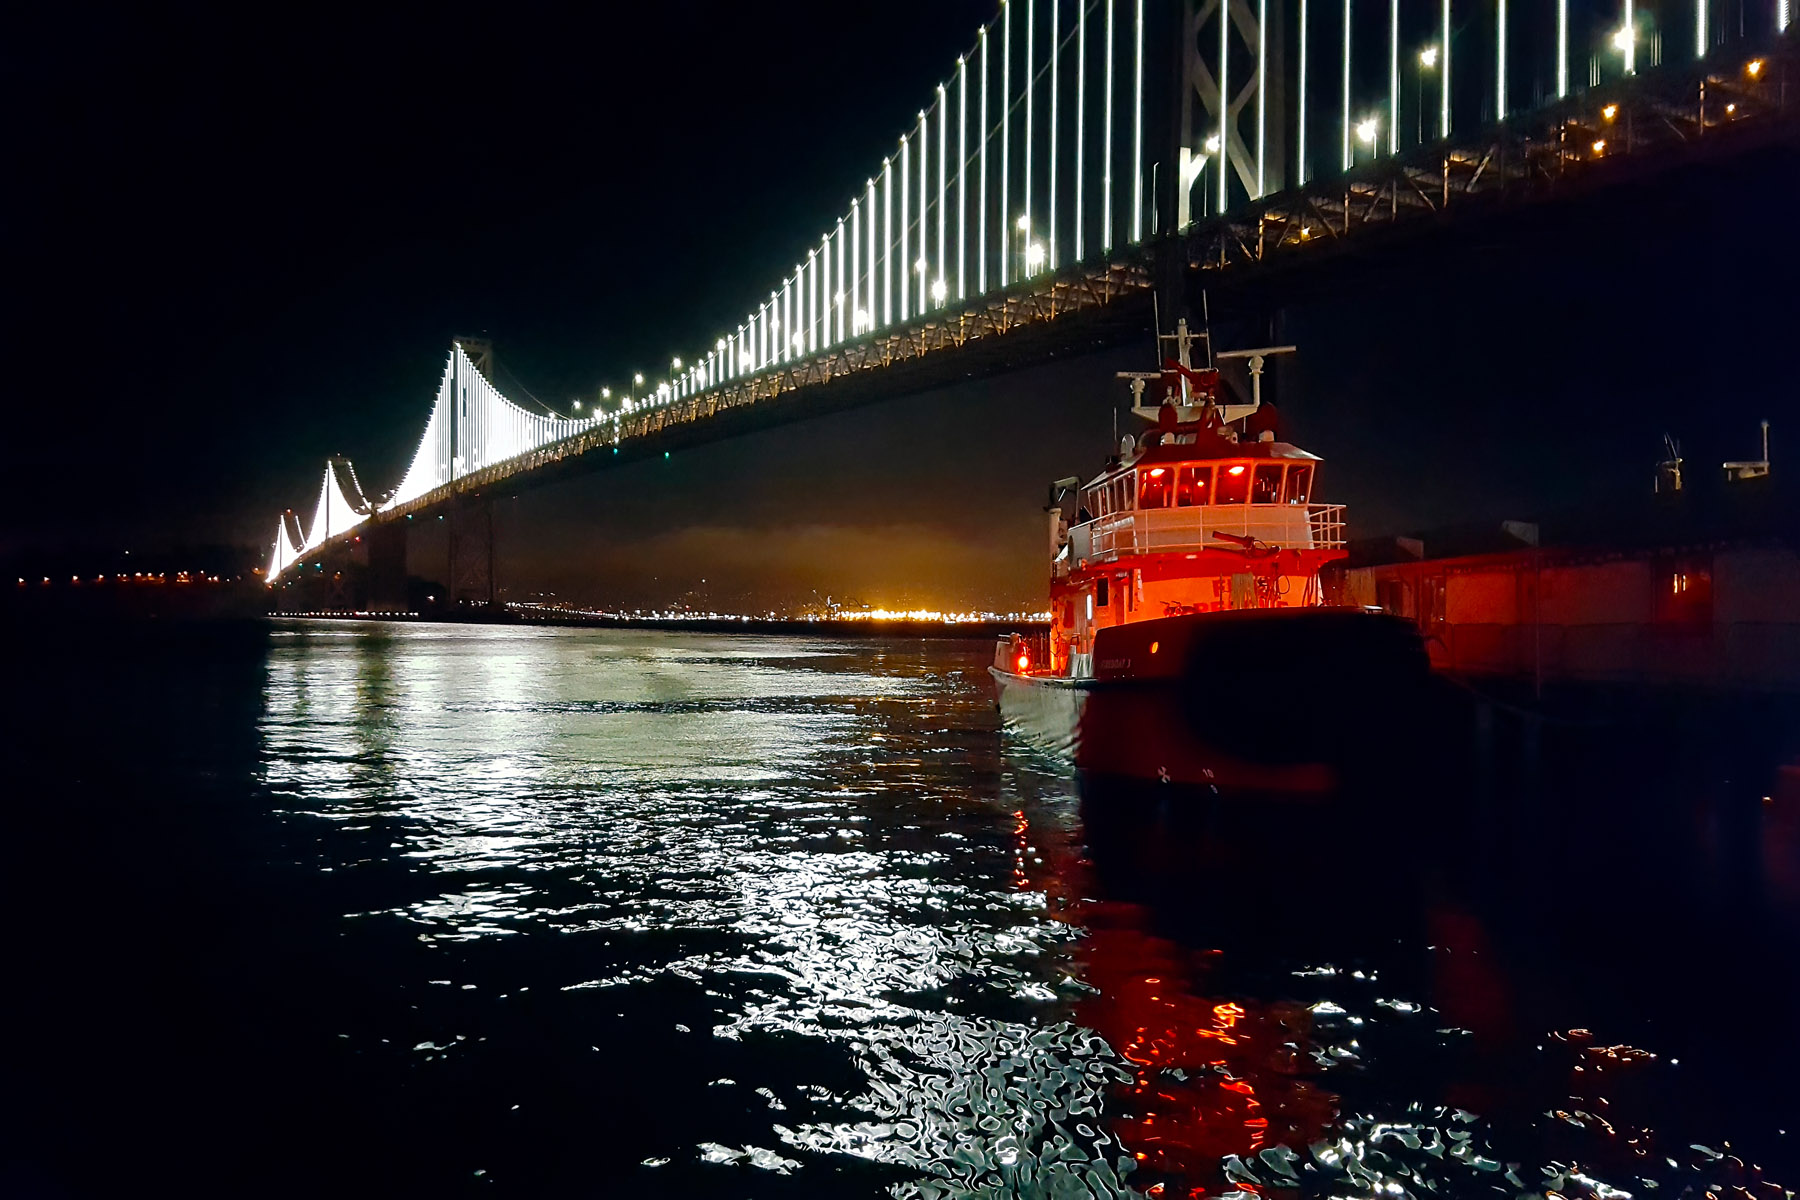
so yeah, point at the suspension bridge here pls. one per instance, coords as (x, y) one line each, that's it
(1084, 156)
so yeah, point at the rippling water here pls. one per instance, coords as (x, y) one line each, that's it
(426, 909)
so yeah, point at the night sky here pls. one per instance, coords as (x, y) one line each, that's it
(239, 241)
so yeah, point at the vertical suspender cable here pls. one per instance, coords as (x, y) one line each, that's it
(943, 181)
(1393, 76)
(1225, 103)
(1030, 91)
(1080, 113)
(1005, 139)
(1346, 73)
(905, 226)
(1106, 150)
(1137, 127)
(981, 208)
(1444, 79)
(962, 177)
(1300, 125)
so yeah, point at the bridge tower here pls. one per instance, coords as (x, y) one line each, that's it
(1232, 141)
(470, 519)
(481, 352)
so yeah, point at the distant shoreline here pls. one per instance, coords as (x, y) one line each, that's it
(938, 630)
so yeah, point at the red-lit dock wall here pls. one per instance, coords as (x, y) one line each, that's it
(1725, 618)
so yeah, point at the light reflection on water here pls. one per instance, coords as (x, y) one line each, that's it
(843, 922)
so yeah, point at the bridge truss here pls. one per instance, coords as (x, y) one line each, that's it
(987, 239)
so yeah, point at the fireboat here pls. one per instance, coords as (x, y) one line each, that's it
(1190, 642)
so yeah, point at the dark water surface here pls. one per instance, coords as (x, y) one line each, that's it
(320, 908)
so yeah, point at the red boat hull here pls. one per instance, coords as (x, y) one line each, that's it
(1277, 700)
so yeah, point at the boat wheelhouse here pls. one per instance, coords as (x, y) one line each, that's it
(1207, 512)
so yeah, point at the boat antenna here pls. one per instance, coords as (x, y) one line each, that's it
(1206, 320)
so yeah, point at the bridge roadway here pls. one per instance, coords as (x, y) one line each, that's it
(1598, 144)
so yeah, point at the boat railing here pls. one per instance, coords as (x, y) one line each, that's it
(1210, 526)
(1035, 647)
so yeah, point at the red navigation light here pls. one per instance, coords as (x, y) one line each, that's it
(1024, 662)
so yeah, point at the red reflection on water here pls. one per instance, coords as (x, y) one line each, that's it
(1214, 1076)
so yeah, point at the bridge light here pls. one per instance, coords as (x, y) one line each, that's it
(638, 379)
(1600, 146)
(1366, 129)
(1610, 111)
(1428, 57)
(940, 290)
(1034, 256)
(606, 393)
(1024, 224)
(676, 364)
(1212, 143)
(1753, 68)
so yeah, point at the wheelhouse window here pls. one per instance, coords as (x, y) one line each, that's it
(1265, 486)
(1299, 484)
(1121, 493)
(1234, 484)
(1154, 486)
(1193, 486)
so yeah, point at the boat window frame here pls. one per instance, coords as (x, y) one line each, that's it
(1184, 476)
(1297, 471)
(1164, 477)
(1260, 472)
(1235, 472)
